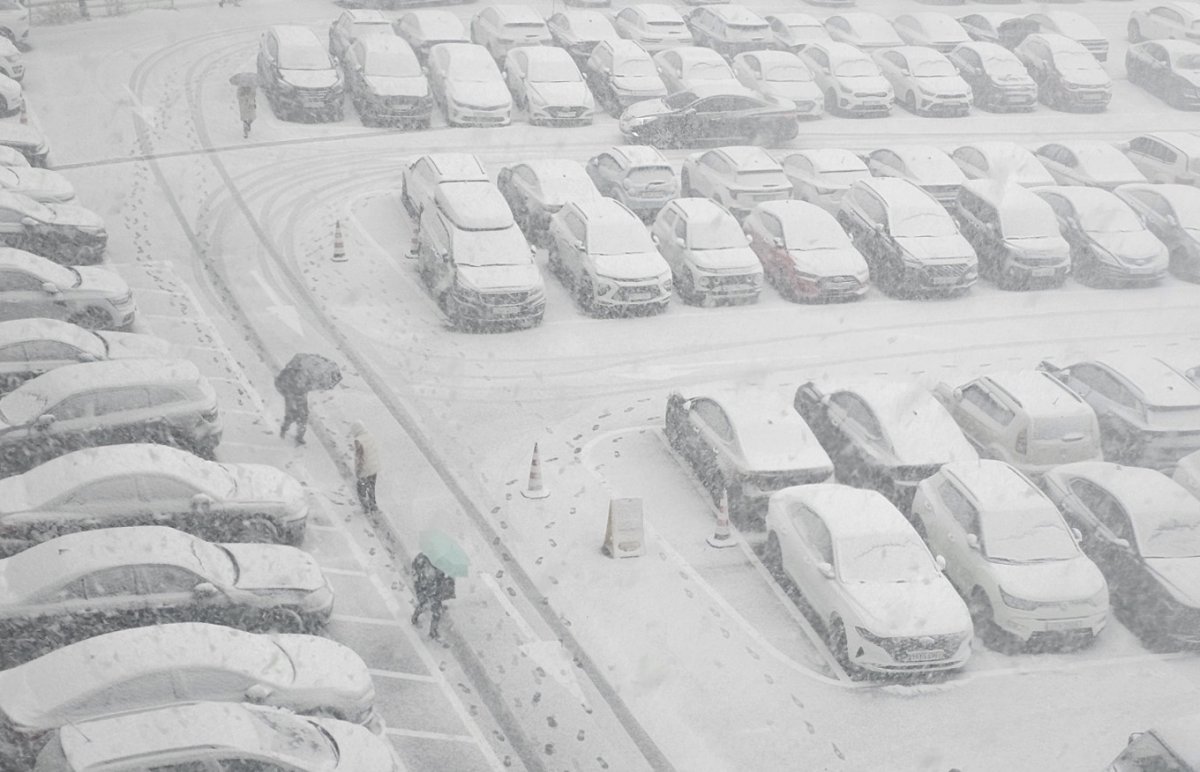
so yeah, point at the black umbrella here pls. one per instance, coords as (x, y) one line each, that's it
(309, 372)
(244, 79)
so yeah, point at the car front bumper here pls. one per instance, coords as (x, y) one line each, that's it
(478, 116)
(908, 655)
(1027, 624)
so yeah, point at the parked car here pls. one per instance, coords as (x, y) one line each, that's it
(12, 97)
(386, 84)
(1001, 27)
(241, 737)
(709, 256)
(924, 81)
(1166, 156)
(805, 253)
(356, 24)
(738, 178)
(14, 23)
(935, 30)
(880, 595)
(535, 190)
(11, 157)
(1172, 214)
(883, 435)
(67, 233)
(1187, 473)
(602, 253)
(1088, 162)
(909, 240)
(545, 82)
(1000, 161)
(865, 30)
(1074, 26)
(733, 115)
(620, 74)
(31, 347)
(822, 176)
(1168, 745)
(780, 75)
(579, 32)
(639, 176)
(161, 665)
(41, 185)
(87, 296)
(1143, 530)
(1149, 411)
(475, 261)
(26, 139)
(849, 79)
(1169, 69)
(146, 484)
(744, 444)
(653, 26)
(997, 79)
(1011, 556)
(686, 68)
(924, 166)
(1068, 76)
(422, 178)
(729, 29)
(500, 28)
(468, 86)
(1027, 419)
(1014, 232)
(1169, 21)
(299, 77)
(82, 584)
(1109, 244)
(792, 31)
(425, 28)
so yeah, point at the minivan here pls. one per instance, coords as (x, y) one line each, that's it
(299, 76)
(1014, 232)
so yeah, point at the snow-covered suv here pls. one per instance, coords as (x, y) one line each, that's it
(298, 74)
(738, 178)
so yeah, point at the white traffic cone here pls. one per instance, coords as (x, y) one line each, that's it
(535, 490)
(339, 246)
(723, 536)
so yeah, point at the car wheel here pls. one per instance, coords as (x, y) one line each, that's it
(738, 506)
(839, 645)
(260, 531)
(278, 620)
(1135, 32)
(984, 618)
(585, 293)
(91, 319)
(686, 288)
(773, 555)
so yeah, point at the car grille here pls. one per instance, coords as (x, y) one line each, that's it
(870, 94)
(316, 97)
(565, 112)
(504, 298)
(636, 292)
(922, 648)
(843, 283)
(942, 270)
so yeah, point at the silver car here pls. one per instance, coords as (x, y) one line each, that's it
(91, 297)
(31, 347)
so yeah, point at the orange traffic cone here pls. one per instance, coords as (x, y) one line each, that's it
(24, 113)
(339, 247)
(723, 536)
(535, 490)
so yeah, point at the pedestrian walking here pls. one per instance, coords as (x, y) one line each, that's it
(83, 10)
(433, 587)
(295, 404)
(366, 465)
(247, 105)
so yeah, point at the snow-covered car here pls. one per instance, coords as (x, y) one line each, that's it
(1168, 21)
(535, 190)
(425, 28)
(31, 347)
(1168, 68)
(1187, 473)
(147, 484)
(26, 139)
(1143, 530)
(1000, 27)
(881, 434)
(1001, 161)
(924, 166)
(66, 233)
(165, 664)
(1166, 156)
(12, 97)
(1169, 744)
(935, 30)
(545, 83)
(1025, 418)
(620, 73)
(1068, 76)
(924, 81)
(501, 28)
(1089, 162)
(1109, 244)
(879, 593)
(1014, 232)
(792, 31)
(1149, 411)
(89, 296)
(422, 178)
(720, 114)
(686, 68)
(602, 253)
(578, 32)
(639, 176)
(864, 30)
(244, 737)
(385, 82)
(708, 253)
(1172, 214)
(653, 26)
(849, 79)
(39, 184)
(468, 86)
(298, 75)
(805, 253)
(744, 443)
(14, 23)
(1074, 26)
(1011, 556)
(738, 178)
(997, 79)
(356, 24)
(79, 585)
(12, 158)
(822, 176)
(729, 29)
(780, 75)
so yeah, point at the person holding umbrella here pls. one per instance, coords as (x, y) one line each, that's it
(247, 97)
(434, 569)
(366, 465)
(304, 373)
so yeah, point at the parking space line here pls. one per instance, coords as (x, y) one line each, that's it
(459, 738)
(401, 676)
(325, 528)
(365, 620)
(343, 571)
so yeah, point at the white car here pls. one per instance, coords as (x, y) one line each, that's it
(87, 295)
(1001, 161)
(708, 253)
(1172, 213)
(781, 75)
(620, 73)
(11, 96)
(1187, 473)
(880, 594)
(579, 31)
(602, 252)
(31, 347)
(10, 60)
(468, 86)
(421, 179)
(1166, 156)
(39, 184)
(1074, 26)
(849, 79)
(864, 30)
(924, 81)
(822, 176)
(793, 31)
(923, 165)
(805, 253)
(653, 26)
(939, 31)
(1172, 20)
(1011, 555)
(689, 68)
(500, 28)
(738, 177)
(1090, 162)
(536, 189)
(425, 28)
(546, 83)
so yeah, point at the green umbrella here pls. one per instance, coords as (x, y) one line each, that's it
(444, 553)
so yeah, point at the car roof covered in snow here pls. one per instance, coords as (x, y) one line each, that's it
(737, 14)
(1137, 488)
(690, 55)
(474, 206)
(996, 486)
(1071, 22)
(901, 195)
(438, 23)
(603, 213)
(1160, 384)
(23, 330)
(796, 19)
(367, 15)
(923, 160)
(769, 59)
(561, 179)
(457, 166)
(88, 376)
(640, 155)
(914, 54)
(840, 52)
(994, 18)
(1184, 199)
(1175, 48)
(546, 54)
(832, 159)
(1058, 44)
(846, 511)
(748, 158)
(699, 208)
(517, 13)
(1185, 141)
(1021, 161)
(624, 50)
(916, 425)
(934, 21)
(294, 34)
(1040, 394)
(1083, 196)
(772, 435)
(658, 12)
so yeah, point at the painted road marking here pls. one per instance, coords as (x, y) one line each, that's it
(462, 738)
(423, 678)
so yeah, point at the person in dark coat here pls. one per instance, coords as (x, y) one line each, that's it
(247, 107)
(295, 403)
(432, 587)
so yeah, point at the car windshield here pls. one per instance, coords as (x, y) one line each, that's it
(715, 230)
(635, 68)
(788, 73)
(1032, 222)
(471, 68)
(883, 558)
(1109, 219)
(1169, 534)
(842, 176)
(364, 28)
(855, 68)
(505, 246)
(813, 233)
(708, 71)
(289, 736)
(1004, 65)
(1031, 535)
(1187, 62)
(553, 71)
(921, 223)
(303, 58)
(680, 100)
(647, 174)
(393, 63)
(934, 68)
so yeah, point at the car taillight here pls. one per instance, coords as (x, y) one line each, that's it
(1022, 441)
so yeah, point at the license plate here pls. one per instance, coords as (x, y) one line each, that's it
(925, 656)
(1038, 272)
(942, 280)
(640, 295)
(1065, 624)
(506, 310)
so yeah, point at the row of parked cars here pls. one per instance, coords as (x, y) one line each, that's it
(1018, 505)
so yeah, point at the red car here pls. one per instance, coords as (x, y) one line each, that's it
(804, 252)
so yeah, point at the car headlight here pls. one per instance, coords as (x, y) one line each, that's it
(283, 85)
(604, 288)
(1013, 601)
(535, 97)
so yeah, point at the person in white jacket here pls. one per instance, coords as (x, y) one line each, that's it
(366, 465)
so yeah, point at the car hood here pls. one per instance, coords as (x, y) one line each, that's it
(1011, 79)
(132, 345)
(1043, 246)
(275, 567)
(1135, 245)
(358, 749)
(640, 84)
(642, 265)
(1180, 575)
(567, 94)
(764, 450)
(478, 93)
(44, 183)
(646, 108)
(100, 280)
(78, 216)
(844, 261)
(911, 608)
(500, 277)
(945, 84)
(731, 259)
(310, 78)
(866, 84)
(793, 91)
(1053, 581)
(385, 85)
(330, 668)
(261, 482)
(1096, 77)
(953, 247)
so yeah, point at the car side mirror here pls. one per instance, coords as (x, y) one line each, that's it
(1173, 221)
(958, 392)
(973, 541)
(940, 562)
(201, 502)
(578, 245)
(679, 242)
(1077, 534)
(258, 693)
(654, 238)
(826, 570)
(50, 288)
(778, 242)
(205, 590)
(28, 222)
(1120, 543)
(44, 421)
